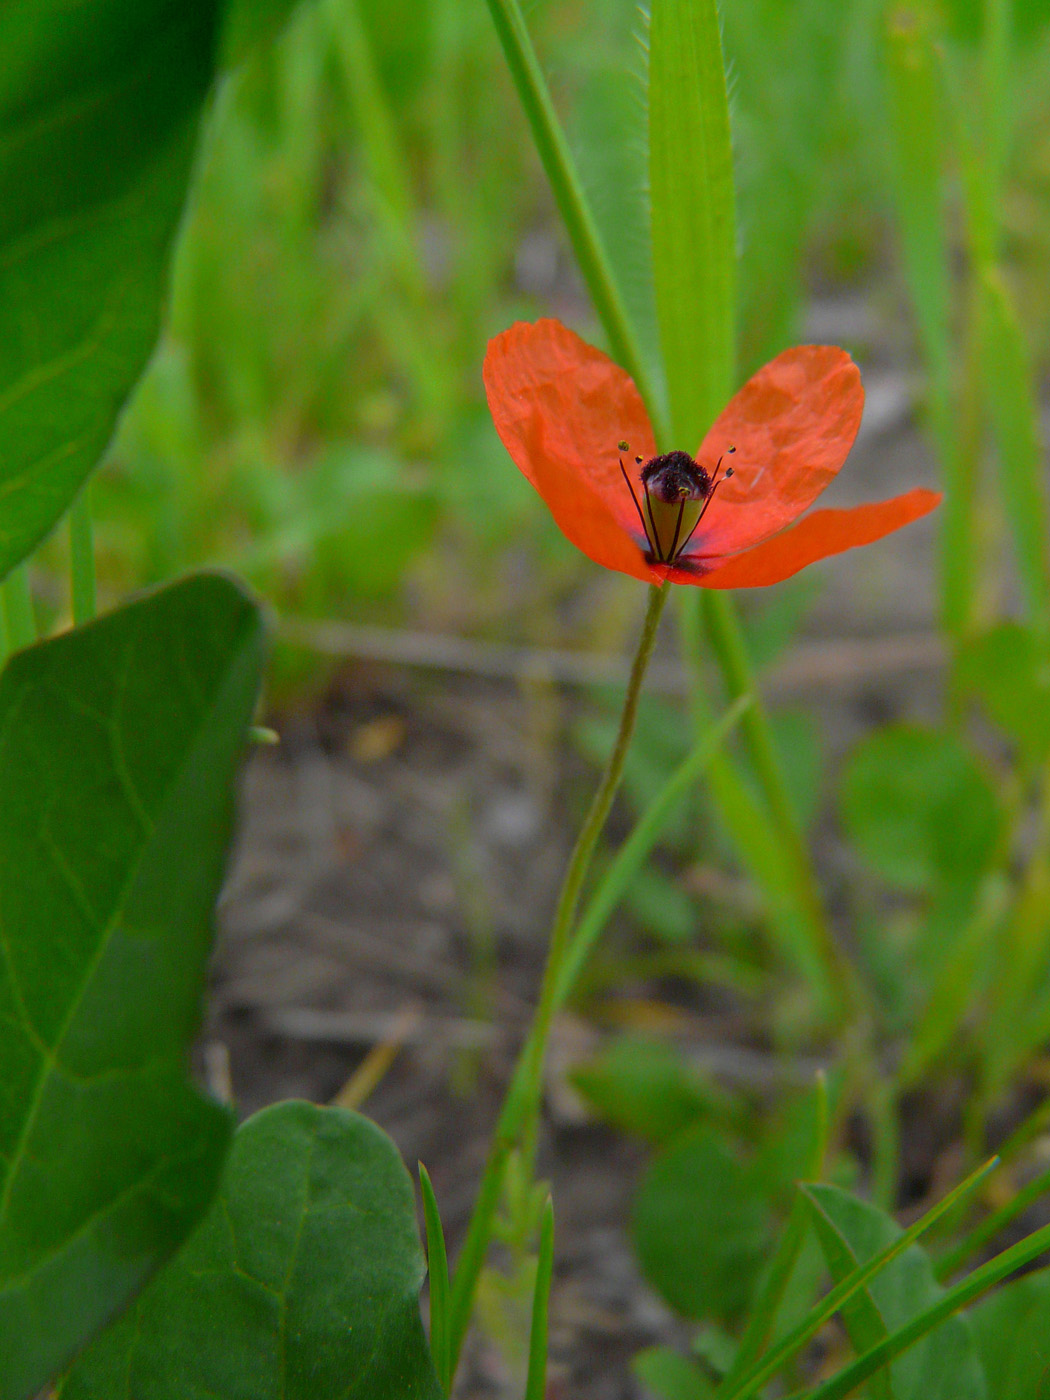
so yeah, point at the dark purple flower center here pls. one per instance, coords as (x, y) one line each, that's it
(675, 477)
(676, 491)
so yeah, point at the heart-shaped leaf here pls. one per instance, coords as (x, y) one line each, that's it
(700, 1226)
(920, 808)
(118, 746)
(301, 1283)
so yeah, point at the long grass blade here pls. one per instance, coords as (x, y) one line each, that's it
(1014, 413)
(966, 1291)
(778, 1274)
(536, 1384)
(915, 103)
(764, 833)
(980, 1235)
(19, 616)
(437, 1265)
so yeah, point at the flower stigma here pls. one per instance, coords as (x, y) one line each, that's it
(677, 491)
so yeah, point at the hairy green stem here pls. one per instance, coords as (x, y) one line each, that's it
(523, 1097)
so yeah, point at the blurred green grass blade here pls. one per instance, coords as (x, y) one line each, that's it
(766, 835)
(917, 132)
(1016, 1016)
(579, 222)
(636, 849)
(1014, 414)
(917, 126)
(247, 23)
(479, 1233)
(385, 158)
(19, 614)
(120, 744)
(407, 320)
(790, 1344)
(966, 1291)
(860, 1316)
(82, 557)
(762, 853)
(99, 108)
(536, 1384)
(958, 984)
(693, 215)
(437, 1267)
(763, 1311)
(996, 83)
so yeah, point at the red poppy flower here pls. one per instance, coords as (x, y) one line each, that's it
(575, 424)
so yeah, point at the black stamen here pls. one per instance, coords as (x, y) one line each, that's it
(710, 495)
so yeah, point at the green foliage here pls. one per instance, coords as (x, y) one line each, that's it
(642, 1086)
(700, 1225)
(85, 241)
(302, 1280)
(366, 216)
(120, 743)
(1011, 1327)
(250, 22)
(966, 18)
(796, 734)
(944, 1365)
(1007, 669)
(671, 1376)
(920, 808)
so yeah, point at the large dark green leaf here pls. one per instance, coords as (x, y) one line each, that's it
(942, 1366)
(301, 1283)
(118, 744)
(99, 107)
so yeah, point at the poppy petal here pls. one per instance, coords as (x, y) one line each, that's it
(821, 534)
(560, 408)
(792, 424)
